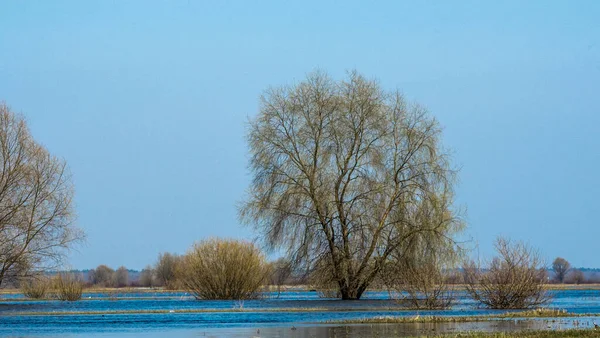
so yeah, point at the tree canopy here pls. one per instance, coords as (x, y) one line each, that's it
(345, 174)
(36, 202)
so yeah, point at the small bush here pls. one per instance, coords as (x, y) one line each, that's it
(513, 280)
(35, 287)
(68, 287)
(223, 269)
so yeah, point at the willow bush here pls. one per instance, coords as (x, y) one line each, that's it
(35, 287)
(68, 287)
(223, 269)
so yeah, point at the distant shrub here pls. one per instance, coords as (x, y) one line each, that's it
(165, 270)
(121, 277)
(36, 287)
(146, 277)
(223, 269)
(68, 287)
(513, 280)
(575, 276)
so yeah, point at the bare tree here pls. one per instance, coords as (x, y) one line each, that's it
(165, 269)
(36, 209)
(561, 267)
(121, 277)
(147, 277)
(340, 171)
(513, 280)
(102, 276)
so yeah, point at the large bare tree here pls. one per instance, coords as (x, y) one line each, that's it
(343, 173)
(36, 202)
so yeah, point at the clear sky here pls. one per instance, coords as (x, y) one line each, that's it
(148, 103)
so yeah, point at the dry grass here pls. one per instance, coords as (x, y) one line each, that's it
(541, 312)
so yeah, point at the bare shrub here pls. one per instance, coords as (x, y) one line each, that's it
(35, 287)
(223, 269)
(513, 280)
(68, 287)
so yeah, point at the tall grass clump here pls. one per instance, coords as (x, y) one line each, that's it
(68, 287)
(223, 269)
(35, 287)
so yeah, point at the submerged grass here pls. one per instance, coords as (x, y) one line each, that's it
(537, 313)
(221, 310)
(542, 312)
(525, 334)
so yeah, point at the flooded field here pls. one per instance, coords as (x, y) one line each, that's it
(293, 314)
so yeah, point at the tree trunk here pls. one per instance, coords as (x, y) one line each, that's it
(351, 292)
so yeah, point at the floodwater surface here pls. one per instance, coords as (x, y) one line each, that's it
(292, 314)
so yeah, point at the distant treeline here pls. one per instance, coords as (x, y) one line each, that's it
(163, 272)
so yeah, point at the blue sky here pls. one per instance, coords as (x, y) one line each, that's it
(148, 101)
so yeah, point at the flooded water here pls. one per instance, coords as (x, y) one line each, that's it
(293, 314)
